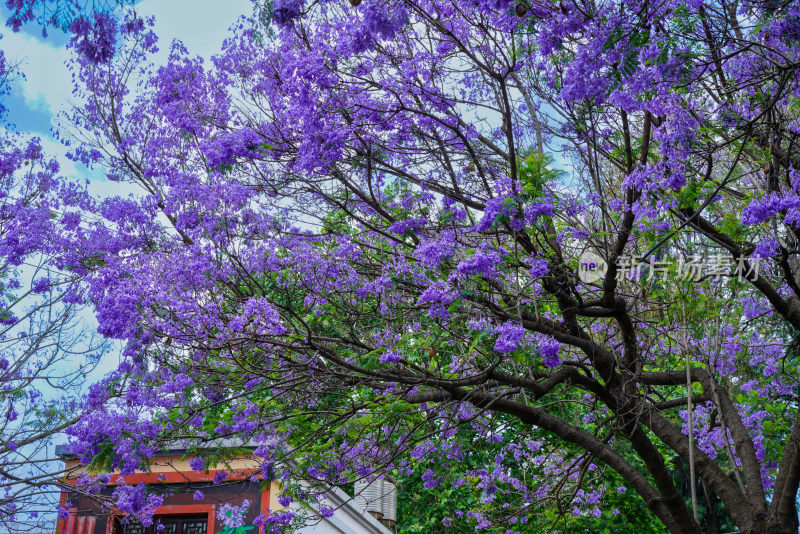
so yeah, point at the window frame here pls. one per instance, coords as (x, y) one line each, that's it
(174, 510)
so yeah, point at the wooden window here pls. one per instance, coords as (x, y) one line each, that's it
(195, 524)
(177, 519)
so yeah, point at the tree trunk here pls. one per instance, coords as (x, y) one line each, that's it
(712, 519)
(771, 526)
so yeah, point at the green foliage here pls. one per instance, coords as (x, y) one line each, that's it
(535, 171)
(443, 508)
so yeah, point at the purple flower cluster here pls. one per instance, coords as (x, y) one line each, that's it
(197, 464)
(549, 352)
(509, 336)
(226, 148)
(285, 11)
(21, 11)
(770, 205)
(95, 39)
(439, 295)
(136, 501)
(377, 23)
(482, 263)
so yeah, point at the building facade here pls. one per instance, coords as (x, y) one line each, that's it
(185, 511)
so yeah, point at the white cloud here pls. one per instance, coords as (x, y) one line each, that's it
(47, 82)
(201, 25)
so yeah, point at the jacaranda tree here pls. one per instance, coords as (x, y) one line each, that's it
(45, 350)
(544, 250)
(47, 353)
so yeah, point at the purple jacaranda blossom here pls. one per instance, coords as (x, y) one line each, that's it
(226, 148)
(549, 351)
(94, 39)
(482, 263)
(390, 356)
(63, 512)
(510, 335)
(433, 252)
(539, 268)
(197, 464)
(285, 11)
(439, 295)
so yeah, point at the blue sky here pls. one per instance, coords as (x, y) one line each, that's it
(201, 25)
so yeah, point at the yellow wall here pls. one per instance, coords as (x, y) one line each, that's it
(274, 493)
(166, 464)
